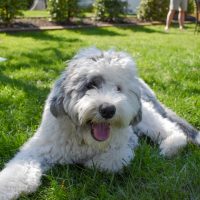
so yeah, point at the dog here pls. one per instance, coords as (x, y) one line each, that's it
(93, 116)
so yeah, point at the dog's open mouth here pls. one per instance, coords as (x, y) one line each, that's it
(100, 131)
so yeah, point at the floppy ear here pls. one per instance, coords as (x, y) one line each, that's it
(56, 101)
(137, 118)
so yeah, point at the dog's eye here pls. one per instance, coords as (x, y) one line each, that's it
(91, 85)
(119, 89)
(95, 82)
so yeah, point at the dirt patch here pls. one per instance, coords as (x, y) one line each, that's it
(45, 23)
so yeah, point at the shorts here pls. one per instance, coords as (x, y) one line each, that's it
(180, 5)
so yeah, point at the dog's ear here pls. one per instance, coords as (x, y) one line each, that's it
(137, 118)
(56, 101)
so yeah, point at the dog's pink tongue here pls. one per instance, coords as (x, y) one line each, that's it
(101, 131)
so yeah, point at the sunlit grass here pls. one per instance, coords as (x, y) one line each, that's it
(169, 63)
(36, 13)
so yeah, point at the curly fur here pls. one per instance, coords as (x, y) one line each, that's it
(93, 78)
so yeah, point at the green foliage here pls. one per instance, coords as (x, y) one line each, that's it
(9, 9)
(63, 10)
(109, 10)
(153, 10)
(29, 3)
(191, 6)
(157, 9)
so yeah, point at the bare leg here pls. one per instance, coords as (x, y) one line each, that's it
(181, 19)
(170, 16)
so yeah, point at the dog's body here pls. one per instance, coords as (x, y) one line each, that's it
(93, 116)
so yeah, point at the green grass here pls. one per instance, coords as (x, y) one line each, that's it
(169, 63)
(36, 13)
(45, 13)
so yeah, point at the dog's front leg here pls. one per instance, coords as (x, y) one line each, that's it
(113, 160)
(116, 157)
(161, 130)
(23, 173)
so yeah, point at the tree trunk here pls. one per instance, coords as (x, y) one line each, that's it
(39, 5)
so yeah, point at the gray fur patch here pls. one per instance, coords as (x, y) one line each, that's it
(56, 102)
(137, 118)
(95, 82)
(148, 95)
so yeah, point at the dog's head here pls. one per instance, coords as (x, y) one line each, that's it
(99, 92)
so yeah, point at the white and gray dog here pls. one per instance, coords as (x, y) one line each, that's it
(93, 116)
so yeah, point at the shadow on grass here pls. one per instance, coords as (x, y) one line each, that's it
(47, 60)
(141, 28)
(22, 112)
(18, 115)
(176, 84)
(43, 35)
(28, 88)
(41, 58)
(101, 31)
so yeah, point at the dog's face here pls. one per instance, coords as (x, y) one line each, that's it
(99, 93)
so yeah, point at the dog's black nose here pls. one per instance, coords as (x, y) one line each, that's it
(107, 110)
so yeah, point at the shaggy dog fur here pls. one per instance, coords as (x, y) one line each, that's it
(93, 116)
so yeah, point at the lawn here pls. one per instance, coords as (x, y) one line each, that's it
(35, 13)
(168, 62)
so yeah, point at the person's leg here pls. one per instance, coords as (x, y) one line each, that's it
(174, 5)
(182, 10)
(181, 19)
(170, 16)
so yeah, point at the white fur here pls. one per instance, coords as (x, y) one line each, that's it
(198, 138)
(64, 135)
(162, 130)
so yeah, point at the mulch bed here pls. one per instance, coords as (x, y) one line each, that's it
(30, 24)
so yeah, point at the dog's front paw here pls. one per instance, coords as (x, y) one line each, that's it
(171, 145)
(8, 190)
(4, 196)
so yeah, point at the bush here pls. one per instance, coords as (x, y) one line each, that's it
(63, 10)
(191, 7)
(109, 10)
(29, 4)
(9, 9)
(153, 10)
(157, 9)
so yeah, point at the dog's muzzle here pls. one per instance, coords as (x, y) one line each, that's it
(107, 110)
(101, 131)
